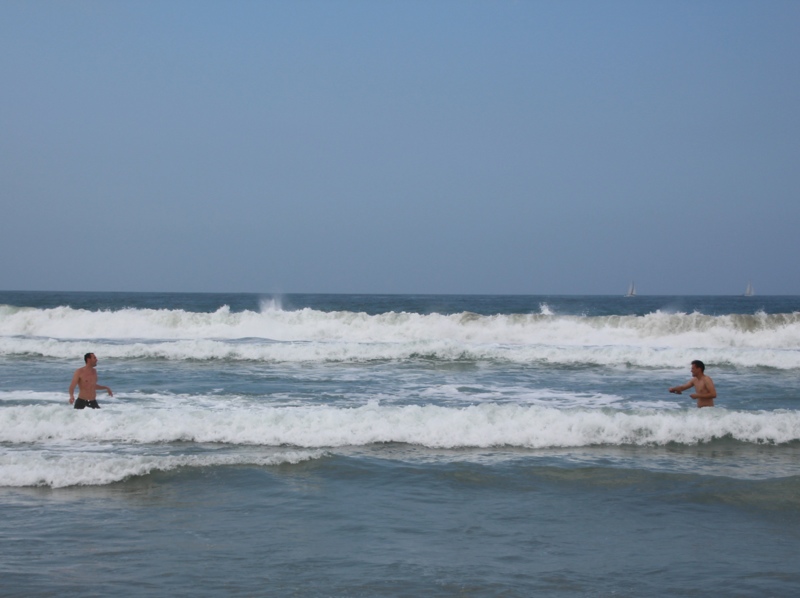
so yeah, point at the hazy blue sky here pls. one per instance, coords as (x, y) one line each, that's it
(400, 147)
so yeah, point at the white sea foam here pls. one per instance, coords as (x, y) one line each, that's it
(50, 445)
(476, 426)
(92, 468)
(658, 339)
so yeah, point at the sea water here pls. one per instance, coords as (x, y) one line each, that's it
(403, 445)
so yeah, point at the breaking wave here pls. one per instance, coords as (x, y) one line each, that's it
(658, 339)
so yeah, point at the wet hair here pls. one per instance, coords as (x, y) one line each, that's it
(86, 357)
(699, 364)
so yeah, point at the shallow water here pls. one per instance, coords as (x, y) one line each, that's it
(399, 446)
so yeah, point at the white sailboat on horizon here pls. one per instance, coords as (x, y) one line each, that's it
(749, 291)
(631, 290)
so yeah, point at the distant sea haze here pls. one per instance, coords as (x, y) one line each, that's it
(385, 445)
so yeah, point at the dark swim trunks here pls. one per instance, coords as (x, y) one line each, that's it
(82, 403)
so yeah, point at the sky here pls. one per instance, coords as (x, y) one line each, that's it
(476, 147)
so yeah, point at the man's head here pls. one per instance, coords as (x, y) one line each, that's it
(698, 365)
(89, 357)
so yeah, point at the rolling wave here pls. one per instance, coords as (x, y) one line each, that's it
(759, 329)
(658, 339)
(46, 445)
(432, 426)
(24, 468)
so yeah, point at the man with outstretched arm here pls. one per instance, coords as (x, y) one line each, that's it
(705, 393)
(85, 379)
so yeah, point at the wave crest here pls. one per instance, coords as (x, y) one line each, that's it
(476, 426)
(657, 339)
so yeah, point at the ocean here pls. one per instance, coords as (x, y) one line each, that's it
(399, 445)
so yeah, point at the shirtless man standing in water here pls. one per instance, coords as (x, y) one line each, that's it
(705, 393)
(85, 379)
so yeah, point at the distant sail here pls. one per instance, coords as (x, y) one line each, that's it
(749, 291)
(631, 290)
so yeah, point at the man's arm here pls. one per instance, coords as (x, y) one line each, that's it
(75, 378)
(679, 389)
(106, 388)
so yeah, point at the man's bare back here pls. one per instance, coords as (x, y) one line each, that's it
(704, 390)
(85, 379)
